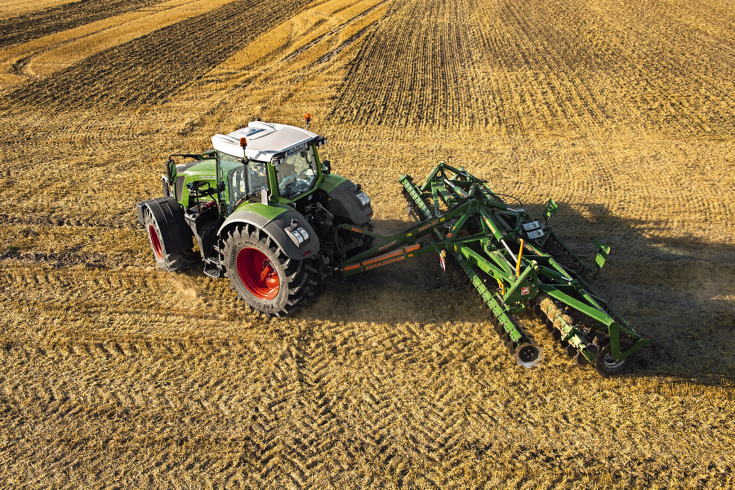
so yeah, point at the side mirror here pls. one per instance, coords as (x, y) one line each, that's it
(171, 169)
(328, 165)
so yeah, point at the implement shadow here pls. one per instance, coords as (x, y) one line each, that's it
(677, 292)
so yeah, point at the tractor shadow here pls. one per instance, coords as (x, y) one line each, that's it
(677, 291)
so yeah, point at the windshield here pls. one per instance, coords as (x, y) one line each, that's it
(238, 184)
(297, 174)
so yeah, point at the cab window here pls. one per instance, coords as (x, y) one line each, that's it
(297, 174)
(239, 180)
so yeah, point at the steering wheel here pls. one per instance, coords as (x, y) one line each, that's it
(303, 173)
(309, 169)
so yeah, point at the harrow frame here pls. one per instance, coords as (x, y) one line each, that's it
(495, 244)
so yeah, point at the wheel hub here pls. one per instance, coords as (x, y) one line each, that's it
(257, 273)
(528, 355)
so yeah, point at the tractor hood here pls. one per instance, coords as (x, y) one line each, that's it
(264, 140)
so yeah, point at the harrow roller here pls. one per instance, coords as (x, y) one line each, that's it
(576, 344)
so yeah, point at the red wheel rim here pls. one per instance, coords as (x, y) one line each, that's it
(155, 242)
(257, 273)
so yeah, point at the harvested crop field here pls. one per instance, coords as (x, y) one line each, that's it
(116, 374)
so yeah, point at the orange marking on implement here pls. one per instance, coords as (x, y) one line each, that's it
(389, 255)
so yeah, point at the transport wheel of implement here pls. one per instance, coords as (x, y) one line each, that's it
(607, 366)
(170, 262)
(262, 275)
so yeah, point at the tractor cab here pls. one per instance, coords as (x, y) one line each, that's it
(268, 163)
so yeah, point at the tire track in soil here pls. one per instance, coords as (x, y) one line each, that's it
(154, 374)
(63, 259)
(112, 295)
(332, 399)
(436, 433)
(301, 381)
(34, 25)
(150, 69)
(126, 384)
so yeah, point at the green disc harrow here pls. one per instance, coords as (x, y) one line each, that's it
(513, 262)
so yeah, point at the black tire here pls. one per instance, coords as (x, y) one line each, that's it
(262, 275)
(170, 262)
(607, 366)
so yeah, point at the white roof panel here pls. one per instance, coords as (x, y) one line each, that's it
(264, 140)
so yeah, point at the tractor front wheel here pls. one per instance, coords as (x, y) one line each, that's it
(262, 276)
(170, 262)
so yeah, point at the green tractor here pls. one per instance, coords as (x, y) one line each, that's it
(265, 211)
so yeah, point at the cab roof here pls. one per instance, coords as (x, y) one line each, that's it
(264, 140)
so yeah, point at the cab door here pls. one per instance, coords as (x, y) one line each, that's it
(239, 180)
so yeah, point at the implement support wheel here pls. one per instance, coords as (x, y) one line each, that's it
(607, 366)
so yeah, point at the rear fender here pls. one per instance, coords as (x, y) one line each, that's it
(169, 215)
(343, 202)
(276, 229)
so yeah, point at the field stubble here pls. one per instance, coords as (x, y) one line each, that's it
(116, 373)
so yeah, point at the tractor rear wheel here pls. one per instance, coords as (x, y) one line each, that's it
(262, 276)
(170, 262)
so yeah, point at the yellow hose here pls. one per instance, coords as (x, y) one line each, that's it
(518, 264)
